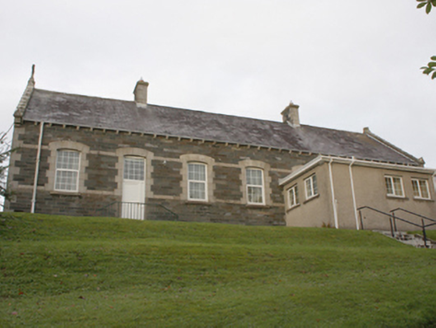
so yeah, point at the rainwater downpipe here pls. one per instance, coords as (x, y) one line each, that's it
(335, 211)
(38, 158)
(353, 194)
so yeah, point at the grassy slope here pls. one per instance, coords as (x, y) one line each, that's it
(65, 271)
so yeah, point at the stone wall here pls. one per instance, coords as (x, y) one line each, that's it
(101, 177)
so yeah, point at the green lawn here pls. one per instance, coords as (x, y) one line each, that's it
(71, 271)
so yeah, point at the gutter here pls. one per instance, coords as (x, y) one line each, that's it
(353, 193)
(38, 159)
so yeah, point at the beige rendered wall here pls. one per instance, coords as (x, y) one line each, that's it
(316, 211)
(369, 190)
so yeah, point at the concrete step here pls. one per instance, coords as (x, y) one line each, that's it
(414, 240)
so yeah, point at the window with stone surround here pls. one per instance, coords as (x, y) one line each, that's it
(67, 162)
(197, 181)
(255, 182)
(255, 190)
(197, 178)
(67, 170)
(420, 189)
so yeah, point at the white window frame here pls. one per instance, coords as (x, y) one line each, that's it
(392, 183)
(75, 170)
(420, 183)
(311, 186)
(203, 182)
(256, 186)
(293, 197)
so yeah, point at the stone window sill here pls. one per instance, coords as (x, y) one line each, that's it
(65, 193)
(254, 206)
(197, 202)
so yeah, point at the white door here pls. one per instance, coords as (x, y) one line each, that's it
(133, 206)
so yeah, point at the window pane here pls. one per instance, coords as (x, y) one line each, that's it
(293, 196)
(415, 187)
(424, 189)
(66, 180)
(314, 185)
(133, 168)
(309, 192)
(398, 186)
(255, 195)
(389, 188)
(197, 190)
(254, 177)
(196, 172)
(67, 159)
(297, 200)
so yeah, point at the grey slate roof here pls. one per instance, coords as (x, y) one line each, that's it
(77, 110)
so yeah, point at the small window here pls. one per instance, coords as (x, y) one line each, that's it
(255, 186)
(197, 181)
(67, 170)
(394, 186)
(293, 196)
(311, 187)
(420, 189)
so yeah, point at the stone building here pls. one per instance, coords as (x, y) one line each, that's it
(81, 155)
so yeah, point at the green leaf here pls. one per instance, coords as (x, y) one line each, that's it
(434, 3)
(433, 58)
(432, 64)
(427, 71)
(433, 76)
(422, 4)
(428, 8)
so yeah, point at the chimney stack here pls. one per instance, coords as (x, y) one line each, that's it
(290, 115)
(140, 93)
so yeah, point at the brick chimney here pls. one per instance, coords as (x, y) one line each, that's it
(140, 93)
(290, 115)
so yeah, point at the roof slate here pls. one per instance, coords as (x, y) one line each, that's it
(85, 111)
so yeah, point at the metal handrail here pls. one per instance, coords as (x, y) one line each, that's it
(413, 213)
(392, 221)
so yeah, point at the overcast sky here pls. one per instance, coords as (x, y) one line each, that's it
(348, 64)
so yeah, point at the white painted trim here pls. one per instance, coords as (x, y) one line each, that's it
(353, 194)
(335, 210)
(393, 186)
(38, 159)
(419, 188)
